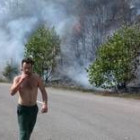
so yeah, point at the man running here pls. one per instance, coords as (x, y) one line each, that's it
(27, 85)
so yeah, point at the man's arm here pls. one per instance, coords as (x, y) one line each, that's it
(16, 83)
(44, 96)
(15, 86)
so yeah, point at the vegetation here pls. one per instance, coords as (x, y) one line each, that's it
(10, 71)
(117, 59)
(43, 46)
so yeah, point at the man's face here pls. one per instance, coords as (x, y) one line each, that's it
(27, 68)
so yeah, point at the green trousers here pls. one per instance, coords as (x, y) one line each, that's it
(27, 116)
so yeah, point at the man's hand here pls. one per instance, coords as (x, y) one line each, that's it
(44, 108)
(23, 77)
(17, 81)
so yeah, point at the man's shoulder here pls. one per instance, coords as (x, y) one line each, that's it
(37, 78)
(35, 75)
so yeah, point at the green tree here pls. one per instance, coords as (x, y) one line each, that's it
(117, 59)
(43, 46)
(10, 71)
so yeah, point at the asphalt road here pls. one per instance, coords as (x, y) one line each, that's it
(75, 116)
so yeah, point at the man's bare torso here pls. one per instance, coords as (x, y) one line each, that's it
(28, 91)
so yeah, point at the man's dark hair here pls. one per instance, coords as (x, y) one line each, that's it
(28, 61)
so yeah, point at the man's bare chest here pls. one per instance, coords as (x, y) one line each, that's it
(29, 84)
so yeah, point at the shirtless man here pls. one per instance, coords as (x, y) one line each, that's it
(27, 85)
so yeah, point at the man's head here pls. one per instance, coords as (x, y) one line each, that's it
(27, 64)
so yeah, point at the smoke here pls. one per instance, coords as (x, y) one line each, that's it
(19, 18)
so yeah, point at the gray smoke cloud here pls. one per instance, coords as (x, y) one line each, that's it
(19, 18)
